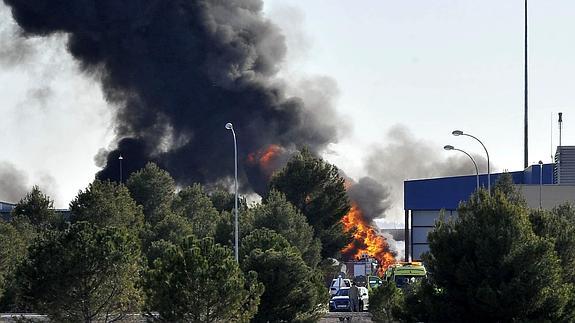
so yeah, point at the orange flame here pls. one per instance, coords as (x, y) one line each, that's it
(265, 158)
(366, 240)
(269, 155)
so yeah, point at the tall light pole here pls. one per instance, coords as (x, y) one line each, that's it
(525, 97)
(461, 133)
(120, 159)
(449, 147)
(540, 182)
(229, 126)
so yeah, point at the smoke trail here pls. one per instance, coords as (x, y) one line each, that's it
(406, 157)
(13, 185)
(177, 71)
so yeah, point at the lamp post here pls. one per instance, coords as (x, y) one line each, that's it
(449, 147)
(120, 159)
(461, 133)
(229, 126)
(540, 182)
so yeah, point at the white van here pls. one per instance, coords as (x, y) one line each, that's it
(337, 283)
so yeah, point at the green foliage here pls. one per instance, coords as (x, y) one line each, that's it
(422, 302)
(277, 214)
(264, 239)
(316, 189)
(223, 200)
(558, 226)
(13, 247)
(107, 204)
(224, 234)
(154, 189)
(386, 303)
(37, 209)
(33, 217)
(490, 266)
(330, 268)
(293, 291)
(173, 228)
(333, 239)
(83, 274)
(193, 204)
(199, 281)
(506, 186)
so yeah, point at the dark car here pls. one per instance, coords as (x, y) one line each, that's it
(340, 301)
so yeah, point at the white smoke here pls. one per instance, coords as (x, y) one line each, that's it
(54, 119)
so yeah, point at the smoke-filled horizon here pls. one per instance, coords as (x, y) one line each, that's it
(232, 76)
(176, 72)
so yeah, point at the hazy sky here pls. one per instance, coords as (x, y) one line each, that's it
(406, 72)
(440, 65)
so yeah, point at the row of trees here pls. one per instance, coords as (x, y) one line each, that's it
(147, 247)
(498, 261)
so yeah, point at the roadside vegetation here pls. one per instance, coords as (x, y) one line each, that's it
(498, 261)
(151, 247)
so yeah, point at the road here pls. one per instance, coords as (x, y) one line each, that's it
(356, 317)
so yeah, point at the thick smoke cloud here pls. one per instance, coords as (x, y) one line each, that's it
(405, 157)
(177, 71)
(372, 197)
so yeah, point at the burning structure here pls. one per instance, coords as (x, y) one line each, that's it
(367, 242)
(368, 202)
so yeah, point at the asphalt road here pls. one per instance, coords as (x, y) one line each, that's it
(354, 317)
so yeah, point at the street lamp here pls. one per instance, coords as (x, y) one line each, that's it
(449, 147)
(229, 126)
(540, 181)
(120, 159)
(461, 133)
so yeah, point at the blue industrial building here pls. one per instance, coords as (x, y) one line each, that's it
(545, 185)
(5, 210)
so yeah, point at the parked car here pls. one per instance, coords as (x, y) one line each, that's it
(340, 301)
(337, 283)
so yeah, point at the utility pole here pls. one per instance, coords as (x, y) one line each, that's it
(526, 134)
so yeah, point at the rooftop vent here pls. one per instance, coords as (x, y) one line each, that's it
(564, 171)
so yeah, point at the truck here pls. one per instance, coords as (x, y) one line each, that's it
(363, 267)
(405, 273)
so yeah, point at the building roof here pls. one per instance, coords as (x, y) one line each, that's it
(448, 192)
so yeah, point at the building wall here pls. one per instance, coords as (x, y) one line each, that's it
(425, 199)
(551, 195)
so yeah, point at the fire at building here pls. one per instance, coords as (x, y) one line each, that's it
(366, 241)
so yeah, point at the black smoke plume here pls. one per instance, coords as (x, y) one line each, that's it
(371, 196)
(177, 71)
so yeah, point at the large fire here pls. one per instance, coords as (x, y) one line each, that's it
(266, 158)
(366, 240)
